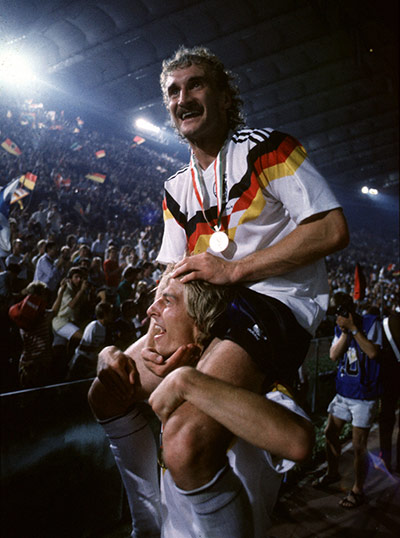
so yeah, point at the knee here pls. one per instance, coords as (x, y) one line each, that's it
(331, 434)
(182, 446)
(190, 455)
(359, 446)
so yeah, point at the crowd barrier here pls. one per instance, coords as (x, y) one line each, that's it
(320, 374)
(59, 479)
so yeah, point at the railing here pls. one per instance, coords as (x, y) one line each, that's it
(319, 372)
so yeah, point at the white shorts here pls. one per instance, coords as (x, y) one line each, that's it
(67, 330)
(361, 413)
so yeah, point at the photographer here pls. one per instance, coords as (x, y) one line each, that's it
(356, 345)
(67, 323)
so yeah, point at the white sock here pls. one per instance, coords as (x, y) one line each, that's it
(221, 507)
(134, 449)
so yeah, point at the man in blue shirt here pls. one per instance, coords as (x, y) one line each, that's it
(356, 345)
(47, 269)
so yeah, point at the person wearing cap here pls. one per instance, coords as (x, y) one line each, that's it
(41, 249)
(35, 367)
(356, 346)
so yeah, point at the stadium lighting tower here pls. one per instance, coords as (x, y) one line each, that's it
(145, 125)
(370, 190)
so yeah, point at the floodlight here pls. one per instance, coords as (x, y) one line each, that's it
(374, 192)
(365, 190)
(15, 69)
(141, 123)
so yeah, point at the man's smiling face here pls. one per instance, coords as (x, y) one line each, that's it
(173, 325)
(197, 107)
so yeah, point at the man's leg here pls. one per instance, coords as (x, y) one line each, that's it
(360, 438)
(333, 446)
(194, 449)
(131, 438)
(134, 449)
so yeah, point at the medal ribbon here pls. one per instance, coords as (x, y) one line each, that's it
(200, 188)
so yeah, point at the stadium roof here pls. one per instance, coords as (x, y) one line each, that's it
(323, 71)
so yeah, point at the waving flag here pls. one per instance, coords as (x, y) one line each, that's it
(100, 178)
(60, 181)
(359, 283)
(28, 180)
(18, 194)
(76, 147)
(100, 154)
(6, 195)
(137, 140)
(11, 147)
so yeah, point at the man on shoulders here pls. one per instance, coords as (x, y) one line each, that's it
(252, 211)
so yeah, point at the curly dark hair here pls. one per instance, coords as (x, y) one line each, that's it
(224, 79)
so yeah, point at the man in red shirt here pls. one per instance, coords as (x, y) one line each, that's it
(112, 270)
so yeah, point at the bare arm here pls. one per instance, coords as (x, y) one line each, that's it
(57, 303)
(78, 296)
(339, 349)
(122, 380)
(313, 239)
(251, 416)
(123, 377)
(347, 325)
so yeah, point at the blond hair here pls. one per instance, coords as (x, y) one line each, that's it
(204, 302)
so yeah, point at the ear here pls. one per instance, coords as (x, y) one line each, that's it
(226, 100)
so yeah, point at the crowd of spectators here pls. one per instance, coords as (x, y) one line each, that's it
(379, 263)
(93, 247)
(110, 230)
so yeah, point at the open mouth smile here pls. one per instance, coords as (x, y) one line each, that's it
(159, 331)
(189, 115)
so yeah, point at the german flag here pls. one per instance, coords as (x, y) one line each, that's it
(28, 180)
(137, 140)
(100, 178)
(11, 147)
